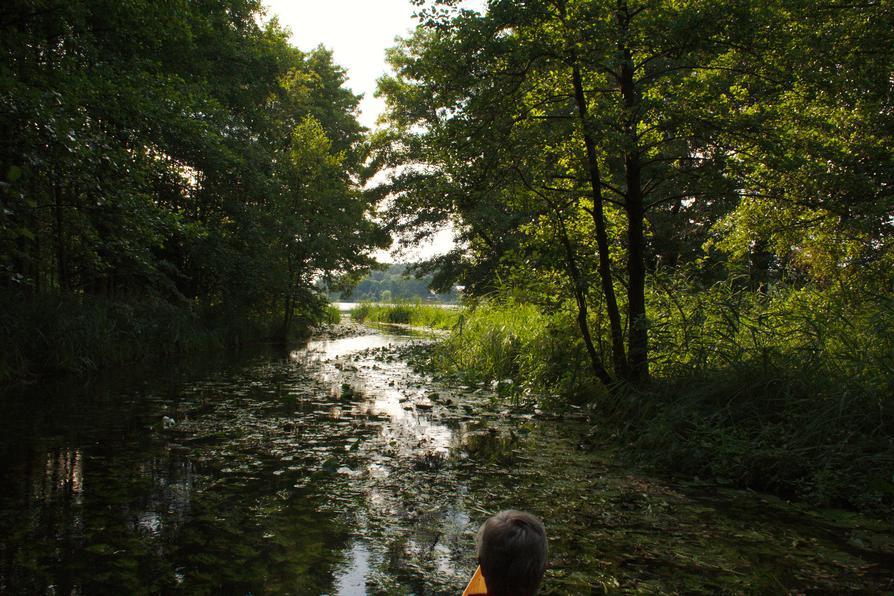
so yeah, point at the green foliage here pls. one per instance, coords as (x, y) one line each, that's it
(181, 153)
(519, 349)
(416, 314)
(839, 333)
(75, 335)
(332, 316)
(597, 142)
(786, 430)
(788, 392)
(695, 197)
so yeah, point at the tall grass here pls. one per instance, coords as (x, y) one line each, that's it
(416, 314)
(791, 392)
(833, 332)
(331, 315)
(515, 341)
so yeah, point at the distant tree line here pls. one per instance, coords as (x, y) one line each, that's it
(397, 283)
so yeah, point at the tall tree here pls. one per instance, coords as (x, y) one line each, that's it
(629, 129)
(557, 105)
(153, 149)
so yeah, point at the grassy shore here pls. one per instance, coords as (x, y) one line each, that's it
(773, 419)
(417, 314)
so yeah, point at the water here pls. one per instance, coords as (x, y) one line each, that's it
(338, 469)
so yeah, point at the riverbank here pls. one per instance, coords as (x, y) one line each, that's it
(61, 334)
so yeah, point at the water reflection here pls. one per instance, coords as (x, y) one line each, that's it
(351, 577)
(63, 476)
(420, 522)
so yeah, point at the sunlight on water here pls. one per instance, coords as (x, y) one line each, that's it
(350, 580)
(63, 475)
(339, 469)
(336, 348)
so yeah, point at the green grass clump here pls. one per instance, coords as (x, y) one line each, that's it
(516, 342)
(331, 315)
(405, 313)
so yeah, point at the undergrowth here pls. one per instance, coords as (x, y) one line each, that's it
(515, 342)
(789, 393)
(60, 333)
(787, 431)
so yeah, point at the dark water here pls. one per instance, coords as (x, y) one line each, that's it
(337, 469)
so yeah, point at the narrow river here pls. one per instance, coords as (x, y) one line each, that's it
(339, 469)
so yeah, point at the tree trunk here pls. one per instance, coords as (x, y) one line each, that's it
(59, 231)
(619, 359)
(288, 313)
(638, 343)
(580, 295)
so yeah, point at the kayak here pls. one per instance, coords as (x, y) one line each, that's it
(476, 586)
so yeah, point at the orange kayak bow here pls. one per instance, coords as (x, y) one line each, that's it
(476, 586)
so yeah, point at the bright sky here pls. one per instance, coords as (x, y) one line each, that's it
(358, 32)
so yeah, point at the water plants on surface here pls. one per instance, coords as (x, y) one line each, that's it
(308, 470)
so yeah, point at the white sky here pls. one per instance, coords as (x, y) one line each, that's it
(358, 32)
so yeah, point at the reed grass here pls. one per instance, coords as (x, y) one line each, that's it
(417, 314)
(791, 392)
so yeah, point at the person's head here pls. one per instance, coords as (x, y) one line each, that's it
(512, 553)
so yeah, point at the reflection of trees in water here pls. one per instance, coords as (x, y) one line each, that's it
(63, 476)
(56, 498)
(168, 502)
(164, 501)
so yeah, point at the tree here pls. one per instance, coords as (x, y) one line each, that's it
(180, 152)
(602, 138)
(522, 116)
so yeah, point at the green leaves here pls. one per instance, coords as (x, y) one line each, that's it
(186, 152)
(580, 144)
